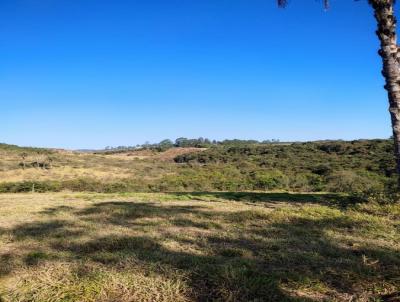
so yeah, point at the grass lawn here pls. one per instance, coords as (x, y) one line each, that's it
(197, 247)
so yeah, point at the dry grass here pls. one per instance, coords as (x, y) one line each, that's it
(197, 247)
(74, 165)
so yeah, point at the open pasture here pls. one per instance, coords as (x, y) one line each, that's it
(197, 247)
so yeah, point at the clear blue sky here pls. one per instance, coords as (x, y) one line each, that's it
(91, 73)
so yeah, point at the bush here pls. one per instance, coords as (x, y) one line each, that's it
(83, 184)
(306, 182)
(354, 183)
(390, 193)
(269, 180)
(75, 185)
(30, 186)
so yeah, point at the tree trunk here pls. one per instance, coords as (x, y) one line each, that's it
(384, 14)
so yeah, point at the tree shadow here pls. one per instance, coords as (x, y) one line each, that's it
(56, 210)
(336, 200)
(128, 213)
(253, 262)
(6, 264)
(44, 230)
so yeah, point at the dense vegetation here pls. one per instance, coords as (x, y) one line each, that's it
(233, 165)
(312, 166)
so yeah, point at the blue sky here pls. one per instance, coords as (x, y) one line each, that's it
(92, 73)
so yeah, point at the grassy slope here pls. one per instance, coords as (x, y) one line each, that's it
(183, 247)
(72, 165)
(356, 166)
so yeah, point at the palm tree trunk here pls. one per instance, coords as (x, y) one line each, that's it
(384, 15)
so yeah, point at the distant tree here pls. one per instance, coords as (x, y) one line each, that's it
(23, 156)
(165, 144)
(181, 142)
(390, 54)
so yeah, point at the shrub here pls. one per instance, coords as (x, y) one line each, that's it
(355, 183)
(305, 182)
(83, 184)
(29, 186)
(269, 180)
(390, 193)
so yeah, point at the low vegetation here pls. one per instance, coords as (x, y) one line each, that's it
(361, 167)
(197, 247)
(226, 227)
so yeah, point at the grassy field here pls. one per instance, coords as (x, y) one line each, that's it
(67, 165)
(197, 247)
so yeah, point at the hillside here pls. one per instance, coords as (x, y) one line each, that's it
(336, 166)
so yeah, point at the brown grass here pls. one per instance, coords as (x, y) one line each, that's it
(74, 165)
(197, 247)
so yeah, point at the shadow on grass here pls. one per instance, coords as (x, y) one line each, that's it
(43, 230)
(6, 264)
(336, 200)
(259, 261)
(128, 213)
(57, 210)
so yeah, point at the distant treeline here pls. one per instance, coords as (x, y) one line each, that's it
(183, 142)
(15, 148)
